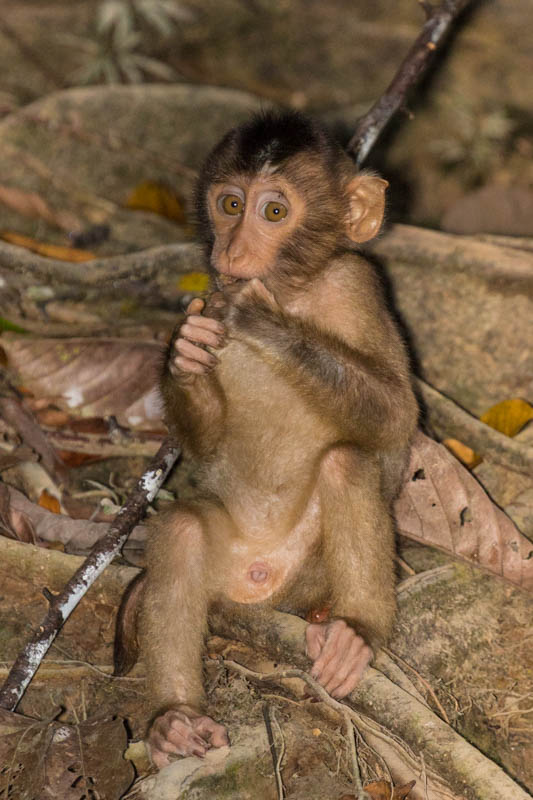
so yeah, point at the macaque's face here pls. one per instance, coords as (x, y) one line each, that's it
(252, 220)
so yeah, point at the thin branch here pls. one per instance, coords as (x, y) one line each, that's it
(436, 28)
(63, 604)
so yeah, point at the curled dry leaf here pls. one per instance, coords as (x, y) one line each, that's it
(92, 377)
(442, 505)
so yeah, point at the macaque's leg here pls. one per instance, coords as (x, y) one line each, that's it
(173, 627)
(359, 553)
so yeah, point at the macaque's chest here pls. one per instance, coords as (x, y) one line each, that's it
(267, 419)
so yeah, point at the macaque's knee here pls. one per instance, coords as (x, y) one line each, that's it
(340, 465)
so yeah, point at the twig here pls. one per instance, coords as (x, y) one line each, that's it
(63, 604)
(436, 28)
(268, 714)
(349, 715)
(356, 771)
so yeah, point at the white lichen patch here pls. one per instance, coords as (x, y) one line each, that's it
(73, 396)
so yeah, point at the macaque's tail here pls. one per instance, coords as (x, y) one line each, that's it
(126, 650)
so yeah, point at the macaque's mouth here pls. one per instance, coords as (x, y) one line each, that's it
(228, 280)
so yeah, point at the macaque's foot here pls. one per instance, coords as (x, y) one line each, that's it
(185, 734)
(340, 656)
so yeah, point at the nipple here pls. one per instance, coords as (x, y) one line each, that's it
(258, 572)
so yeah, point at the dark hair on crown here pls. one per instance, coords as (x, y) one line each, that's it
(269, 137)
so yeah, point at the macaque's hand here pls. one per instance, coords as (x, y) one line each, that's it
(248, 302)
(184, 733)
(340, 656)
(197, 330)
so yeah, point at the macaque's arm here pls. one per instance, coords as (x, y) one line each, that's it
(194, 400)
(369, 396)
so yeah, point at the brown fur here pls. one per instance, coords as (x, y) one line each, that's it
(300, 433)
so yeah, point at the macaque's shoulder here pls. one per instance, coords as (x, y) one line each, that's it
(349, 286)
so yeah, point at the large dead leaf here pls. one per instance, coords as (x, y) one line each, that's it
(442, 505)
(92, 377)
(28, 522)
(71, 762)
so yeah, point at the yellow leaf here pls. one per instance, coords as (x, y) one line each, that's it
(195, 282)
(47, 500)
(158, 198)
(465, 454)
(72, 254)
(509, 416)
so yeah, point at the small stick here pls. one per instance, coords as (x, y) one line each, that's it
(436, 28)
(104, 551)
(276, 759)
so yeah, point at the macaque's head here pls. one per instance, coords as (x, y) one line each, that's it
(278, 196)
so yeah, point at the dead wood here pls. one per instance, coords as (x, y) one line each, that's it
(62, 604)
(450, 420)
(145, 263)
(437, 251)
(440, 19)
(466, 770)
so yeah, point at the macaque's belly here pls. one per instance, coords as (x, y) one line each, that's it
(266, 473)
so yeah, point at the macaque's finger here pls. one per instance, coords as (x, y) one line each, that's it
(196, 306)
(314, 640)
(203, 334)
(182, 364)
(209, 323)
(355, 676)
(334, 653)
(333, 631)
(348, 657)
(194, 353)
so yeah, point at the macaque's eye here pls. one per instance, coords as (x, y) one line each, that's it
(231, 204)
(274, 212)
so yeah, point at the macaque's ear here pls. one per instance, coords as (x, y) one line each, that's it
(366, 199)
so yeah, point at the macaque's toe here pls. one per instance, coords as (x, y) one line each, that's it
(178, 733)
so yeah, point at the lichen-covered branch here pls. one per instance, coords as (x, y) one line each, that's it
(63, 604)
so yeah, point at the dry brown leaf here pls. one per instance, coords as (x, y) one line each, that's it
(159, 198)
(71, 254)
(29, 522)
(13, 523)
(54, 759)
(48, 501)
(509, 416)
(465, 454)
(92, 377)
(442, 505)
(31, 204)
(381, 790)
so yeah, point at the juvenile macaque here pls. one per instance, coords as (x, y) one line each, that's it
(290, 388)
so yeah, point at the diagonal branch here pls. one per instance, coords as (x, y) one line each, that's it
(436, 28)
(104, 551)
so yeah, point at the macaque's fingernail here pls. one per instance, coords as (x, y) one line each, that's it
(315, 674)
